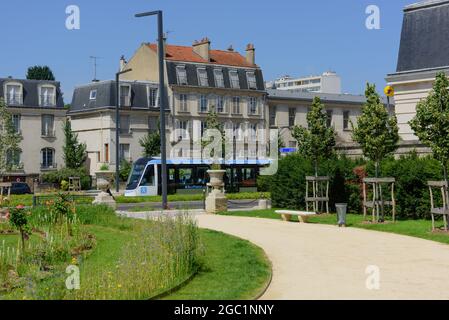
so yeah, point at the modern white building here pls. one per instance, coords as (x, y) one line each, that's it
(328, 82)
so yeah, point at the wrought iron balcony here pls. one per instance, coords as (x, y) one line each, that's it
(49, 166)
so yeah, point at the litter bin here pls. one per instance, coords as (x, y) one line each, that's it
(342, 208)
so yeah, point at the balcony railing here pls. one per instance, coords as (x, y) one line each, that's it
(15, 167)
(49, 133)
(48, 100)
(15, 99)
(49, 166)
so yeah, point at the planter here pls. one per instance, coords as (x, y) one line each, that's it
(104, 179)
(216, 177)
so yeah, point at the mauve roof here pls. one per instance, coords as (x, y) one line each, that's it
(220, 57)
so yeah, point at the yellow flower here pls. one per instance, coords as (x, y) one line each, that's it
(119, 286)
(74, 260)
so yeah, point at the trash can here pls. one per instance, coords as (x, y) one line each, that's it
(342, 208)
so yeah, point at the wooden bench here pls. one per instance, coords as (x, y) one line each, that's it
(303, 216)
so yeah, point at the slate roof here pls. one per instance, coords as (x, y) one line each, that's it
(325, 97)
(220, 57)
(31, 92)
(425, 36)
(192, 76)
(106, 96)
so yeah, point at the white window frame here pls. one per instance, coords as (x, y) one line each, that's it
(235, 83)
(50, 102)
(221, 104)
(236, 104)
(93, 94)
(181, 75)
(153, 97)
(203, 80)
(219, 78)
(53, 154)
(19, 122)
(253, 106)
(252, 81)
(125, 130)
(46, 131)
(183, 99)
(18, 96)
(128, 96)
(203, 98)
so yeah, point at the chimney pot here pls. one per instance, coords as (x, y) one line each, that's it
(250, 54)
(122, 63)
(202, 48)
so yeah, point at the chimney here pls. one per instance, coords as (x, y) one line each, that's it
(250, 54)
(122, 63)
(231, 48)
(202, 48)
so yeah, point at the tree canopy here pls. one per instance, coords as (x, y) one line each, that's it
(40, 73)
(317, 141)
(9, 138)
(431, 122)
(151, 144)
(376, 131)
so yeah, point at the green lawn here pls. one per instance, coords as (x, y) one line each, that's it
(191, 197)
(414, 228)
(233, 269)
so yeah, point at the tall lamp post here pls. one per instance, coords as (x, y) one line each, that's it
(162, 100)
(117, 129)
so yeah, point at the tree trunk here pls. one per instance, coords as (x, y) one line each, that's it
(447, 182)
(316, 167)
(377, 168)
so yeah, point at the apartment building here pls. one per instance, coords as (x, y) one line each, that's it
(38, 112)
(422, 54)
(289, 109)
(328, 82)
(200, 79)
(93, 118)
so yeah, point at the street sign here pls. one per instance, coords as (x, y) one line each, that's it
(288, 150)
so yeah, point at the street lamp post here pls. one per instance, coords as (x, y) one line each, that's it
(162, 105)
(117, 128)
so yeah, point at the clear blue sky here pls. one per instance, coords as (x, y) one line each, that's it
(295, 37)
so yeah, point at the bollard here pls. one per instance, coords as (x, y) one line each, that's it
(341, 213)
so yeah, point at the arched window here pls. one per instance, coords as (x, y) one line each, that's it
(48, 158)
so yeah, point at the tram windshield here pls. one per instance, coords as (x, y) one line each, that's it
(134, 177)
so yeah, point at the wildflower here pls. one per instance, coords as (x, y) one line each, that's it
(20, 207)
(119, 286)
(74, 260)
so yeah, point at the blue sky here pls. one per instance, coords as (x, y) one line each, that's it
(294, 37)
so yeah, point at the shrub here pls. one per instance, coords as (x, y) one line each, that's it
(59, 176)
(125, 169)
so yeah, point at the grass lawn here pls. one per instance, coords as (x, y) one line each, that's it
(414, 228)
(233, 269)
(191, 197)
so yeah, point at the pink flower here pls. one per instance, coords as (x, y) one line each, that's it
(20, 207)
(7, 215)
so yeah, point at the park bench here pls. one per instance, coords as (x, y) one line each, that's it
(303, 216)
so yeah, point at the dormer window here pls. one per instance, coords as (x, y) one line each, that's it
(181, 75)
(234, 77)
(93, 95)
(47, 96)
(125, 96)
(14, 94)
(202, 77)
(219, 81)
(251, 77)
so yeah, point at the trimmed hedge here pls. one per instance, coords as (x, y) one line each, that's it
(287, 187)
(64, 174)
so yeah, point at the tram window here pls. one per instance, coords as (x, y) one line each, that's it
(148, 178)
(185, 176)
(201, 175)
(171, 175)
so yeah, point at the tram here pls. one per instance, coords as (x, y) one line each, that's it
(190, 176)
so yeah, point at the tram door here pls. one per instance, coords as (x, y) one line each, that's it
(149, 183)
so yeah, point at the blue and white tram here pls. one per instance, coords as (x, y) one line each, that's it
(190, 175)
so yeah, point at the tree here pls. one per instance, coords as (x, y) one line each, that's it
(318, 140)
(9, 138)
(376, 132)
(74, 152)
(151, 144)
(431, 123)
(40, 73)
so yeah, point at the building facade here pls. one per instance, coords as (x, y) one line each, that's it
(422, 54)
(328, 82)
(289, 109)
(93, 117)
(38, 112)
(198, 80)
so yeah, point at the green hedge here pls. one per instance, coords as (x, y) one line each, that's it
(287, 187)
(63, 175)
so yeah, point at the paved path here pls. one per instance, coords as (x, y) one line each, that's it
(325, 262)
